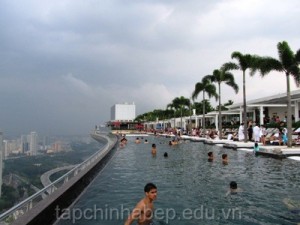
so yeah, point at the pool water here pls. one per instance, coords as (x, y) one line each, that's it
(191, 190)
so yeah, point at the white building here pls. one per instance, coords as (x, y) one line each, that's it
(33, 143)
(11, 147)
(261, 111)
(123, 112)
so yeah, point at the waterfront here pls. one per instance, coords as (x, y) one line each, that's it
(191, 190)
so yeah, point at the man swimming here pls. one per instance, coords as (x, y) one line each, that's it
(225, 159)
(153, 149)
(143, 211)
(233, 188)
(210, 156)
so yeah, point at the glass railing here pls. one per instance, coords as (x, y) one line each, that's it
(23, 207)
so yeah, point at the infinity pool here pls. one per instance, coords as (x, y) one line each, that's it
(191, 190)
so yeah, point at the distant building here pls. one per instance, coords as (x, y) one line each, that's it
(123, 112)
(33, 145)
(10, 147)
(24, 144)
(122, 117)
(45, 142)
(1, 161)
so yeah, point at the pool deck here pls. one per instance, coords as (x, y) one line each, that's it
(274, 151)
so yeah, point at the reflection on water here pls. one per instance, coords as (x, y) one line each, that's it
(191, 190)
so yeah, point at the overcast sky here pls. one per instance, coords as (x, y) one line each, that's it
(64, 63)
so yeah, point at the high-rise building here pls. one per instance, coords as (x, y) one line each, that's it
(123, 112)
(33, 143)
(24, 144)
(5, 149)
(1, 161)
(45, 142)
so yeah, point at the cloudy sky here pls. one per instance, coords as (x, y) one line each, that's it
(64, 63)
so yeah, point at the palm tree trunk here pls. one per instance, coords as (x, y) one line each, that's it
(203, 116)
(220, 117)
(180, 119)
(245, 107)
(289, 111)
(190, 123)
(174, 121)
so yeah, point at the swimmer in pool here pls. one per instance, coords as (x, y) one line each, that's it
(143, 211)
(225, 159)
(233, 188)
(137, 140)
(210, 156)
(153, 150)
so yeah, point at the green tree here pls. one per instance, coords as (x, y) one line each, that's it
(199, 106)
(220, 76)
(245, 62)
(180, 104)
(205, 86)
(288, 63)
(172, 108)
(224, 106)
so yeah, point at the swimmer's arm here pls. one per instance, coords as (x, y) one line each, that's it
(136, 212)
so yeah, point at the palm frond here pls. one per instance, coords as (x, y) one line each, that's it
(286, 55)
(230, 66)
(229, 80)
(198, 89)
(298, 56)
(267, 64)
(236, 55)
(211, 91)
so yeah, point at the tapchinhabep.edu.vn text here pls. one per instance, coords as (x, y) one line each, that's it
(107, 213)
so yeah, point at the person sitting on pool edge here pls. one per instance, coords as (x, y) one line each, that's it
(256, 147)
(210, 156)
(143, 211)
(224, 159)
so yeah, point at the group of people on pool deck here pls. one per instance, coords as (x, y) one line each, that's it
(259, 133)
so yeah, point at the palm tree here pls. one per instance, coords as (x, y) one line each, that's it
(172, 107)
(298, 56)
(220, 76)
(288, 63)
(204, 103)
(180, 103)
(205, 86)
(245, 62)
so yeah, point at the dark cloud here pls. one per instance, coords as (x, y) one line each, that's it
(63, 64)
